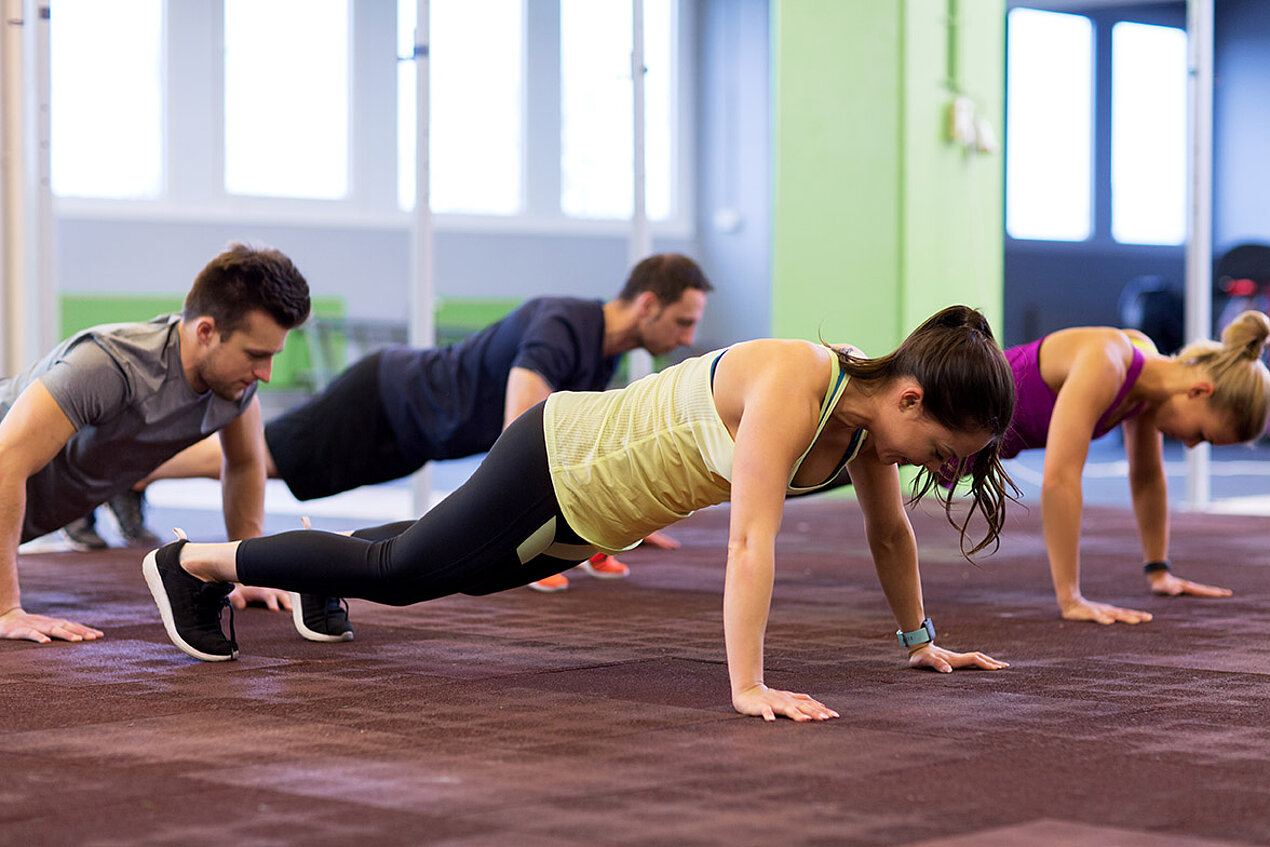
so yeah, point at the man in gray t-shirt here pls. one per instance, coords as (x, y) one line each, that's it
(112, 403)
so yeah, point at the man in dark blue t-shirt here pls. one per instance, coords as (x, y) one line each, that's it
(391, 412)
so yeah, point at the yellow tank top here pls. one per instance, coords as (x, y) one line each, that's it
(625, 463)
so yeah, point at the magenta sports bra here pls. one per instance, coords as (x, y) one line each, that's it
(1034, 401)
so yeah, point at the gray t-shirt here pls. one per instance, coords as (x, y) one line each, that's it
(123, 388)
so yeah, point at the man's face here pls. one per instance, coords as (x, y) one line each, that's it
(669, 326)
(231, 365)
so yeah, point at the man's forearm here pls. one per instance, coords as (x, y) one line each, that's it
(243, 502)
(12, 512)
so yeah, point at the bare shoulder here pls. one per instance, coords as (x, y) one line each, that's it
(769, 371)
(1064, 348)
(1091, 360)
(780, 353)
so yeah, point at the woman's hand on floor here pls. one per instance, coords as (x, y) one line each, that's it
(944, 661)
(1169, 585)
(1081, 609)
(767, 703)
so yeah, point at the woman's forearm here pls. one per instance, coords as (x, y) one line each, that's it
(747, 596)
(1061, 506)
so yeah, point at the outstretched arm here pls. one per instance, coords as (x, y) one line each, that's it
(1094, 377)
(243, 474)
(772, 428)
(525, 389)
(242, 481)
(1144, 446)
(31, 434)
(894, 549)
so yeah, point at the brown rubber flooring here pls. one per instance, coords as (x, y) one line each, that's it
(601, 716)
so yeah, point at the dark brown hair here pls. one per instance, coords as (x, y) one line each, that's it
(244, 279)
(967, 385)
(667, 275)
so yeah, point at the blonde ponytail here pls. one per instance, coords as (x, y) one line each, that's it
(1241, 381)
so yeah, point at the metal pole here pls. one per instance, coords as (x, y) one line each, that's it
(28, 300)
(422, 289)
(13, 178)
(640, 242)
(1199, 244)
(45, 320)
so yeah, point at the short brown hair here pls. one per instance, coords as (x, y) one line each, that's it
(244, 279)
(667, 275)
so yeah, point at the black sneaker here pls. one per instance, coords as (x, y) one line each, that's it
(81, 534)
(320, 618)
(190, 608)
(128, 512)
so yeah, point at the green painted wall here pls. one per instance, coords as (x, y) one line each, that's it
(878, 219)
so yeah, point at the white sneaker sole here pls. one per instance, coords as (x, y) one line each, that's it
(150, 567)
(586, 568)
(79, 546)
(297, 617)
(548, 589)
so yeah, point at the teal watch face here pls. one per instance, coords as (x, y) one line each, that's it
(918, 636)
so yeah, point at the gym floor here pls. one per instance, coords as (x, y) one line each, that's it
(601, 715)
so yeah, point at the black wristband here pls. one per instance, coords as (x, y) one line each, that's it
(1153, 567)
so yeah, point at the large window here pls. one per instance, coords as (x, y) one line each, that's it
(1049, 114)
(107, 104)
(1148, 134)
(286, 97)
(478, 121)
(1054, 145)
(596, 105)
(306, 110)
(476, 90)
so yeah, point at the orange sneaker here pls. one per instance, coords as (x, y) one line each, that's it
(551, 584)
(604, 566)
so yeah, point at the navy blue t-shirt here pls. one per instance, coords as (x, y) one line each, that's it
(448, 402)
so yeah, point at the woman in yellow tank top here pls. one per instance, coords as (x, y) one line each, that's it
(596, 471)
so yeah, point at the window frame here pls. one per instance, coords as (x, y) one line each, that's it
(1103, 20)
(194, 137)
(1091, 117)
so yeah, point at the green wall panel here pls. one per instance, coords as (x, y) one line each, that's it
(878, 219)
(836, 137)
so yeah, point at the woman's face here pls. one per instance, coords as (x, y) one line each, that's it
(1191, 419)
(906, 435)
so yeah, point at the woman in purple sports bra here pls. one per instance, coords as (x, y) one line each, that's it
(1077, 384)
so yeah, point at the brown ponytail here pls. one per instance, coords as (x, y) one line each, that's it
(967, 386)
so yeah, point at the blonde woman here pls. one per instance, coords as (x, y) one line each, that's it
(1078, 384)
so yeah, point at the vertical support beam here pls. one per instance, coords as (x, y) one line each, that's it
(27, 302)
(1199, 244)
(13, 180)
(422, 289)
(640, 242)
(45, 317)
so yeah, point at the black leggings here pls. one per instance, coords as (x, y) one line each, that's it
(501, 529)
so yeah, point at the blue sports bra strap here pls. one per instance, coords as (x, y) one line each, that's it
(714, 366)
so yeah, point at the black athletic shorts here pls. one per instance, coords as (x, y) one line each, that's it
(340, 439)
